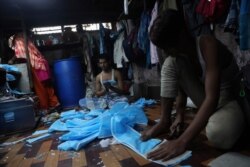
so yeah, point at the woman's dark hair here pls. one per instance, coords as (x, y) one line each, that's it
(166, 28)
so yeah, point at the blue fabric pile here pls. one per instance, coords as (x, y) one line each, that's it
(9, 68)
(102, 102)
(84, 127)
(117, 122)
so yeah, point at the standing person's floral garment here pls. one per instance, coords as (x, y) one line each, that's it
(40, 71)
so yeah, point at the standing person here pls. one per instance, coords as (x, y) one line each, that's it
(109, 80)
(41, 76)
(210, 87)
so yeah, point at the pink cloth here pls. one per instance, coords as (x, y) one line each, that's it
(43, 75)
(36, 58)
(38, 62)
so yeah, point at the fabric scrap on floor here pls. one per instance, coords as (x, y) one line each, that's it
(36, 139)
(104, 102)
(107, 142)
(38, 132)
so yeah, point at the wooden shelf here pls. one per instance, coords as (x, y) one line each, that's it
(60, 46)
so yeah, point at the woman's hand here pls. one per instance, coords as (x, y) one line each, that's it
(168, 150)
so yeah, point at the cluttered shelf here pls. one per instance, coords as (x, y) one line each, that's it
(60, 46)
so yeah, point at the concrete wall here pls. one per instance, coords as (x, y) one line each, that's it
(146, 82)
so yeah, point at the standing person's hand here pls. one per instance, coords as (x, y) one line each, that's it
(168, 150)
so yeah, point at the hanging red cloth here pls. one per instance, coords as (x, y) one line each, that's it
(212, 9)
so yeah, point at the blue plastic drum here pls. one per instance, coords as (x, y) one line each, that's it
(69, 81)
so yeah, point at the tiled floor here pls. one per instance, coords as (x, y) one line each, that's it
(45, 153)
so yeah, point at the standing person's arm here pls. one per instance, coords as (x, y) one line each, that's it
(165, 120)
(212, 88)
(173, 148)
(181, 102)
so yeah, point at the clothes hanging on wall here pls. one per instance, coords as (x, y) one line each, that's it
(132, 50)
(169, 4)
(232, 21)
(212, 10)
(119, 54)
(105, 42)
(103, 49)
(94, 44)
(128, 39)
(143, 39)
(128, 44)
(245, 25)
(195, 21)
(153, 48)
(130, 26)
(228, 39)
(87, 55)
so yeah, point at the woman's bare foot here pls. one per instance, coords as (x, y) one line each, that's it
(154, 131)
